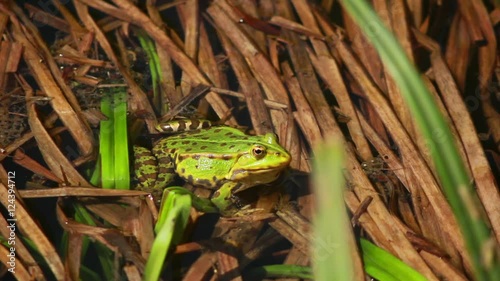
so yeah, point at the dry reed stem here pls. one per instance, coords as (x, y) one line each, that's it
(15, 145)
(457, 51)
(422, 146)
(481, 171)
(384, 221)
(41, 16)
(304, 69)
(200, 268)
(4, 19)
(365, 52)
(5, 49)
(209, 63)
(22, 251)
(295, 27)
(27, 162)
(304, 114)
(328, 70)
(74, 253)
(119, 216)
(136, 16)
(132, 273)
(167, 81)
(10, 55)
(113, 239)
(229, 266)
(309, 84)
(21, 270)
(487, 59)
(438, 264)
(258, 63)
(130, 13)
(55, 159)
(78, 191)
(261, 119)
(291, 234)
(247, 10)
(366, 221)
(68, 55)
(470, 16)
(396, 20)
(68, 110)
(190, 20)
(76, 30)
(32, 231)
(390, 158)
(138, 96)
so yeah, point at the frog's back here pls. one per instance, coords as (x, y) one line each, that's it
(214, 139)
(217, 133)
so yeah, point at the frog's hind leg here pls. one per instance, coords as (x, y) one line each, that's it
(166, 170)
(145, 168)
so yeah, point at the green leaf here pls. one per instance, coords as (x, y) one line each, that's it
(385, 267)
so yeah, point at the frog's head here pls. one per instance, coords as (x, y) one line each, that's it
(261, 163)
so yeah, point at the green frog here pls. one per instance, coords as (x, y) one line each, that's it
(220, 158)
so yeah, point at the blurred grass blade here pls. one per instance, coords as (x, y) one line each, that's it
(385, 267)
(331, 252)
(451, 171)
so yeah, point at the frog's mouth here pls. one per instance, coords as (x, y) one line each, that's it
(272, 172)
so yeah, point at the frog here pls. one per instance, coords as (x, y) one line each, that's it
(221, 158)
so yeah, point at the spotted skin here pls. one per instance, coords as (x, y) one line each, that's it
(219, 158)
(183, 125)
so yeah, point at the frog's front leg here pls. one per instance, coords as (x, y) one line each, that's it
(225, 200)
(222, 201)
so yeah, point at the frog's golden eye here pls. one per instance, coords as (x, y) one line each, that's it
(259, 151)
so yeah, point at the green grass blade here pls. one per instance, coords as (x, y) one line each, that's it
(154, 65)
(175, 219)
(120, 144)
(383, 266)
(106, 150)
(331, 252)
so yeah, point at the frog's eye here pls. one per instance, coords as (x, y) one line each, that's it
(259, 151)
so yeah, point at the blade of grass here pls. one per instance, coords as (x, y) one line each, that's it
(154, 66)
(106, 150)
(120, 139)
(384, 266)
(175, 218)
(451, 171)
(331, 227)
